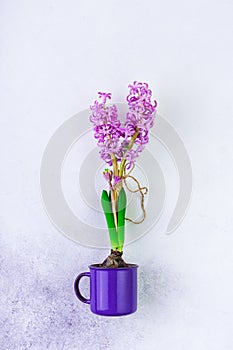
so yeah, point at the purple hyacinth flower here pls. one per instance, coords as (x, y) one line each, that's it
(114, 139)
(105, 96)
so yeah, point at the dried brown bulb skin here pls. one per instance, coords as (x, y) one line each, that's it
(114, 260)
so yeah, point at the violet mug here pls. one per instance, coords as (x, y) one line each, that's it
(113, 291)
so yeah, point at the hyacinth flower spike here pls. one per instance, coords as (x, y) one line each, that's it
(120, 145)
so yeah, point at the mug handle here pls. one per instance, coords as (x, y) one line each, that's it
(76, 287)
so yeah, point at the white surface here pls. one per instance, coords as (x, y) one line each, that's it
(55, 56)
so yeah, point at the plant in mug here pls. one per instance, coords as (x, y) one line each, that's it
(120, 145)
(113, 284)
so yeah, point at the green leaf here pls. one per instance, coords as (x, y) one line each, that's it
(121, 218)
(107, 207)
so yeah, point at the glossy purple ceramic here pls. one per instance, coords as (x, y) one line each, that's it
(113, 291)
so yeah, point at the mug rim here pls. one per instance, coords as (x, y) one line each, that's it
(97, 267)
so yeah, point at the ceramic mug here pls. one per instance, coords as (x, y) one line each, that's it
(113, 291)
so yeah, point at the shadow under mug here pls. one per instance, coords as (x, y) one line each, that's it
(113, 291)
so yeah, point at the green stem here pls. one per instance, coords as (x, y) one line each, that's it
(114, 164)
(128, 148)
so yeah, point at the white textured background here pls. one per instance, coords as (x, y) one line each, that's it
(55, 56)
